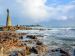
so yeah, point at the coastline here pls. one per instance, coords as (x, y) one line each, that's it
(10, 42)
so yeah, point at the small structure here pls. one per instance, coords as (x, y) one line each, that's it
(10, 27)
(8, 22)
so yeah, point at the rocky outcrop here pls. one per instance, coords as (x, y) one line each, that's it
(11, 45)
(39, 49)
(58, 52)
(8, 48)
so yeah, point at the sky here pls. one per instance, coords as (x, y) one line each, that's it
(51, 13)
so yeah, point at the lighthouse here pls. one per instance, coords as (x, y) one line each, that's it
(8, 21)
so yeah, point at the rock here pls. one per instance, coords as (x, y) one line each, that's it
(34, 50)
(62, 52)
(28, 50)
(39, 43)
(29, 41)
(31, 37)
(15, 47)
(17, 53)
(21, 37)
(14, 53)
(42, 48)
(39, 49)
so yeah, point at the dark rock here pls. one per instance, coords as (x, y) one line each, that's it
(39, 43)
(63, 52)
(21, 37)
(39, 49)
(34, 50)
(31, 37)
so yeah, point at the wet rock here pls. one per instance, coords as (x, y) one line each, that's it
(31, 37)
(29, 41)
(17, 53)
(34, 50)
(21, 37)
(62, 52)
(14, 53)
(39, 43)
(39, 49)
(42, 48)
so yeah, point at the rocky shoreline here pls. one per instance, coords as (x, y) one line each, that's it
(23, 44)
(11, 45)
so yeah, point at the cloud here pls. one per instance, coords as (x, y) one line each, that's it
(39, 11)
(61, 12)
(35, 9)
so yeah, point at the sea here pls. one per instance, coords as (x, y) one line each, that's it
(56, 38)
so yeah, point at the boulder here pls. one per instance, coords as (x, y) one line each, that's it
(31, 37)
(34, 50)
(42, 48)
(39, 49)
(39, 43)
(21, 37)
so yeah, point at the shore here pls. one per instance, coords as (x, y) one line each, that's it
(14, 43)
(11, 44)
